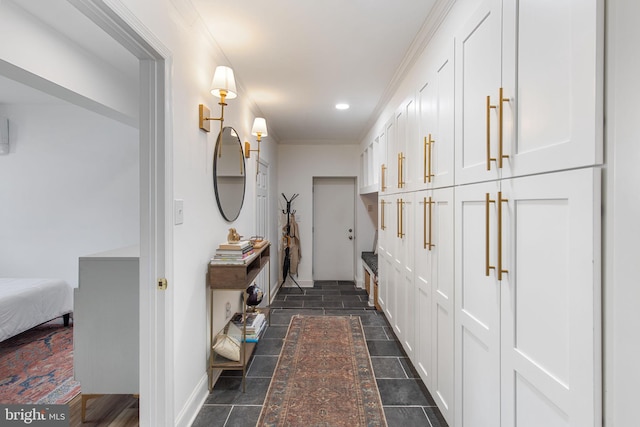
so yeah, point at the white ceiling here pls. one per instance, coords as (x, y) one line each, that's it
(295, 59)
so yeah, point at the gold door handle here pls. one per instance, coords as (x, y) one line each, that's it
(489, 158)
(500, 201)
(397, 217)
(401, 170)
(488, 266)
(399, 222)
(501, 155)
(382, 226)
(382, 180)
(428, 142)
(427, 243)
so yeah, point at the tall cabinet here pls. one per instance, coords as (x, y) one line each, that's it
(490, 215)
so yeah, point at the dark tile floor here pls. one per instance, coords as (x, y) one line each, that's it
(405, 399)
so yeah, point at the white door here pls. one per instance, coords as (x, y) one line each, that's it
(442, 308)
(550, 300)
(477, 307)
(404, 325)
(434, 146)
(334, 228)
(478, 68)
(262, 219)
(553, 80)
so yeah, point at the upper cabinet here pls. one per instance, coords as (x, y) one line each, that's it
(529, 96)
(433, 152)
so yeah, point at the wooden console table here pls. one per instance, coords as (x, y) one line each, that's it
(236, 277)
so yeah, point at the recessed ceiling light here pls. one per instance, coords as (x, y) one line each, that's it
(342, 106)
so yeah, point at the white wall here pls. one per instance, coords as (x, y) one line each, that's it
(298, 165)
(193, 57)
(68, 188)
(38, 50)
(622, 213)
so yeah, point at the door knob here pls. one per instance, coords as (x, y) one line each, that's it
(350, 237)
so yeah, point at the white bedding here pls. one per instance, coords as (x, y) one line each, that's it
(26, 302)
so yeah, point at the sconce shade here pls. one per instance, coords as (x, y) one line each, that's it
(259, 127)
(223, 80)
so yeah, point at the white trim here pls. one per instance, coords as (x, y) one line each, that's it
(156, 194)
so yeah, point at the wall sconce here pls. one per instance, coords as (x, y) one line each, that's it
(223, 86)
(259, 129)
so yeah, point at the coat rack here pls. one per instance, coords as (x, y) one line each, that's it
(286, 240)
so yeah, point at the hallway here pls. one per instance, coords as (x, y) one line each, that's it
(405, 399)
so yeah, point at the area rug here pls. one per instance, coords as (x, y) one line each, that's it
(36, 366)
(323, 377)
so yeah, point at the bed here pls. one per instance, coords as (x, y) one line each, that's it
(27, 302)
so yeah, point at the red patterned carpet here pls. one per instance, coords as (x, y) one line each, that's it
(36, 366)
(323, 377)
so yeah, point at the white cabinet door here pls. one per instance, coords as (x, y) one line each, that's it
(405, 318)
(478, 68)
(477, 308)
(385, 257)
(551, 299)
(406, 131)
(553, 82)
(391, 167)
(433, 153)
(423, 287)
(434, 319)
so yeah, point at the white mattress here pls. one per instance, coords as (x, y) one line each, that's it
(26, 302)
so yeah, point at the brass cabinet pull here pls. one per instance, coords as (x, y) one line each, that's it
(427, 243)
(401, 170)
(501, 154)
(424, 160)
(382, 174)
(489, 158)
(382, 225)
(428, 142)
(487, 202)
(500, 201)
(399, 223)
(397, 217)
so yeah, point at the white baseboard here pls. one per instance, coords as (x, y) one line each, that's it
(196, 400)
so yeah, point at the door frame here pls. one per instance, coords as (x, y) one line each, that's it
(156, 195)
(355, 218)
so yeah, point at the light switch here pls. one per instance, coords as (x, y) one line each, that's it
(178, 211)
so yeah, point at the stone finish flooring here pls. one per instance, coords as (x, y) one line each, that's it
(405, 399)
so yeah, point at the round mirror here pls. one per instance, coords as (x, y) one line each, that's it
(229, 173)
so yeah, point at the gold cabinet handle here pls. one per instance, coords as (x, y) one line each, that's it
(399, 222)
(427, 243)
(382, 225)
(428, 142)
(500, 202)
(383, 172)
(489, 158)
(501, 155)
(488, 266)
(401, 170)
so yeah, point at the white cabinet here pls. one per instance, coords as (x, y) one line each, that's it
(106, 311)
(433, 156)
(404, 325)
(529, 101)
(433, 295)
(527, 291)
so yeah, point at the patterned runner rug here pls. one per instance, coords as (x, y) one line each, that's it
(323, 377)
(36, 366)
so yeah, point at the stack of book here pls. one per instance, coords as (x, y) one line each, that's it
(256, 322)
(233, 253)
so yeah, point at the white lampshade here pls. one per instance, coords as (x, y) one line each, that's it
(223, 80)
(259, 126)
